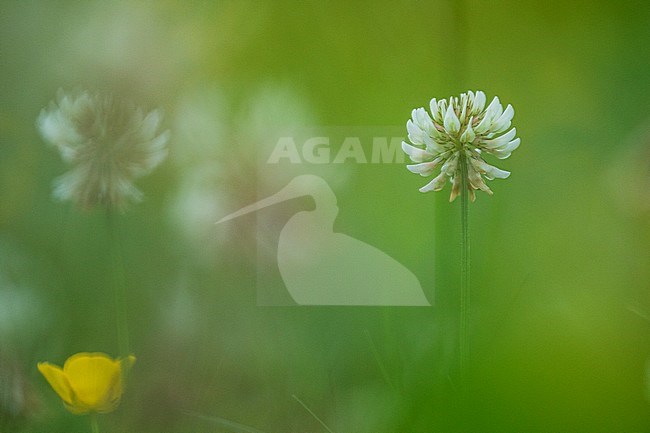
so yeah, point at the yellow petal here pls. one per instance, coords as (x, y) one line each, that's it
(117, 390)
(96, 381)
(128, 362)
(57, 380)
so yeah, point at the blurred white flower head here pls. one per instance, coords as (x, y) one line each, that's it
(460, 127)
(217, 176)
(629, 175)
(108, 143)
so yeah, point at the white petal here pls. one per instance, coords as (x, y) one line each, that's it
(431, 145)
(436, 184)
(495, 108)
(416, 135)
(442, 109)
(468, 136)
(497, 173)
(463, 113)
(49, 127)
(437, 135)
(479, 103)
(513, 145)
(415, 153)
(150, 124)
(422, 119)
(504, 152)
(156, 149)
(497, 143)
(450, 166)
(433, 106)
(423, 169)
(489, 117)
(455, 189)
(489, 170)
(501, 154)
(484, 125)
(503, 122)
(476, 180)
(58, 131)
(451, 122)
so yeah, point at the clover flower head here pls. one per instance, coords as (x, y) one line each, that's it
(460, 130)
(108, 142)
(88, 382)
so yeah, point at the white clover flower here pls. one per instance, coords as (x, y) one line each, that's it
(109, 143)
(459, 130)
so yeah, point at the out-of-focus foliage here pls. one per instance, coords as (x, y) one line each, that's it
(560, 258)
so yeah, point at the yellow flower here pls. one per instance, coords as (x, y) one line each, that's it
(88, 382)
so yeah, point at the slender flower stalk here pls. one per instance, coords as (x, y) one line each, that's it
(453, 139)
(94, 425)
(465, 301)
(118, 283)
(108, 143)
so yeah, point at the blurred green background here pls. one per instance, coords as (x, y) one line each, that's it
(560, 257)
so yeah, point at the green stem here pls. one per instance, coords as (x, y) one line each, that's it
(464, 273)
(312, 414)
(94, 425)
(117, 277)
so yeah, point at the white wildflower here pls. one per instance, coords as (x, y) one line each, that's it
(107, 142)
(458, 132)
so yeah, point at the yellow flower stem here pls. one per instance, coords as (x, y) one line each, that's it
(464, 274)
(117, 277)
(94, 425)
